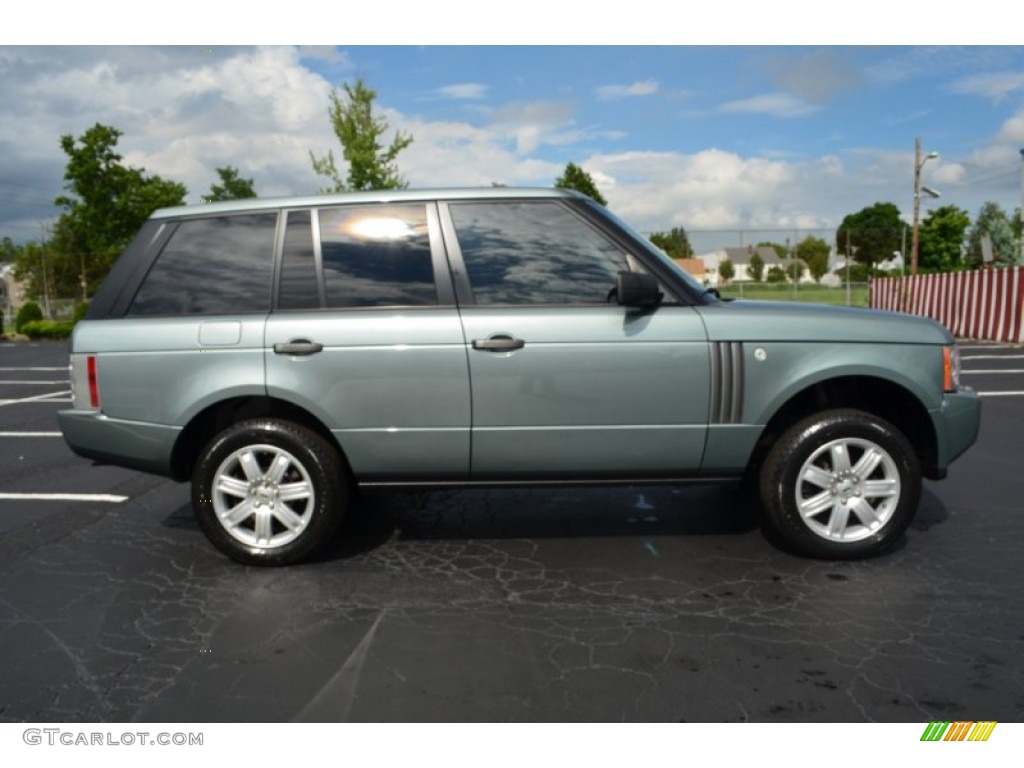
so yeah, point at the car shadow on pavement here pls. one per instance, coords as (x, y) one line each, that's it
(539, 513)
(723, 509)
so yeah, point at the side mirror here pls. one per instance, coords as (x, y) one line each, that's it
(637, 289)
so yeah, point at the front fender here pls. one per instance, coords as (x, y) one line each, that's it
(777, 371)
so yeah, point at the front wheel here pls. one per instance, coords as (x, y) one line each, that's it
(842, 484)
(268, 492)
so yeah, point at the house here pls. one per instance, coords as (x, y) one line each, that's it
(11, 291)
(740, 259)
(695, 268)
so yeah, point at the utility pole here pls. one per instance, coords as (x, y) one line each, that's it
(847, 267)
(919, 162)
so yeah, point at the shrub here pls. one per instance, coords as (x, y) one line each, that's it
(858, 273)
(776, 275)
(80, 309)
(47, 329)
(28, 313)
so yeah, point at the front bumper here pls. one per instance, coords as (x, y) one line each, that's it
(956, 423)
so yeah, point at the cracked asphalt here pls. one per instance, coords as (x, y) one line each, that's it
(650, 603)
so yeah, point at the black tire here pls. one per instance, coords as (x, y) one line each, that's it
(240, 478)
(826, 506)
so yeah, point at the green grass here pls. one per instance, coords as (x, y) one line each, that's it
(816, 294)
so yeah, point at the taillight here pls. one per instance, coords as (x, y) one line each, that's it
(85, 388)
(94, 389)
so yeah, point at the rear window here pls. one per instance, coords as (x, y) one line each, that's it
(212, 266)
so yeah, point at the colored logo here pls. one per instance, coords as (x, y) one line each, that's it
(959, 731)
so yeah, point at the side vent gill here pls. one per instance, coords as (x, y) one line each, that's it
(726, 382)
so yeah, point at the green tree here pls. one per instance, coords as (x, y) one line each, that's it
(795, 269)
(231, 186)
(38, 267)
(360, 132)
(105, 204)
(991, 222)
(941, 239)
(674, 242)
(29, 312)
(8, 250)
(574, 177)
(726, 271)
(756, 267)
(875, 233)
(814, 252)
(776, 274)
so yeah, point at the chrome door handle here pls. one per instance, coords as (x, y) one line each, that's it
(298, 347)
(498, 344)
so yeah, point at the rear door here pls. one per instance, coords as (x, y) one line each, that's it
(566, 383)
(365, 334)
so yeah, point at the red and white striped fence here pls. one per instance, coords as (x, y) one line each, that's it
(980, 304)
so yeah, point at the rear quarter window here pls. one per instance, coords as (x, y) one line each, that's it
(212, 266)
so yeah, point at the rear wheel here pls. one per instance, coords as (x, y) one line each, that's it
(841, 484)
(269, 492)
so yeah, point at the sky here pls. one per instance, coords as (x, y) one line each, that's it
(785, 140)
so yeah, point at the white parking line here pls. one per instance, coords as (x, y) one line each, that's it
(1000, 394)
(40, 398)
(30, 434)
(994, 370)
(26, 381)
(12, 368)
(64, 497)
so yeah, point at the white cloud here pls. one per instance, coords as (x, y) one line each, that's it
(993, 85)
(463, 91)
(774, 104)
(639, 88)
(326, 53)
(262, 110)
(257, 109)
(531, 124)
(460, 154)
(817, 76)
(1012, 130)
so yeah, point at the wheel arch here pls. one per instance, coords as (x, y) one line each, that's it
(881, 397)
(222, 414)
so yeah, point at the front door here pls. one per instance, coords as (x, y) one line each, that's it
(564, 382)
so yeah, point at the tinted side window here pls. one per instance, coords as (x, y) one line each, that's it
(211, 266)
(534, 253)
(299, 285)
(377, 255)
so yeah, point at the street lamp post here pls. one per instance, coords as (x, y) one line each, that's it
(918, 164)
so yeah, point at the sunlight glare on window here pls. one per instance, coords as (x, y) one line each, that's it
(379, 228)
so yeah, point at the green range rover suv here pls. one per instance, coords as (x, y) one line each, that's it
(280, 353)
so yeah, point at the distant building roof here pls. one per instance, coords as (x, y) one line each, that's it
(694, 266)
(742, 254)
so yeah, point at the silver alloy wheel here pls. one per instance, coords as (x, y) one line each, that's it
(848, 489)
(263, 496)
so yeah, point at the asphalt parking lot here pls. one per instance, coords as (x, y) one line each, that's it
(637, 604)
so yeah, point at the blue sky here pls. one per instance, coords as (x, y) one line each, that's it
(710, 138)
